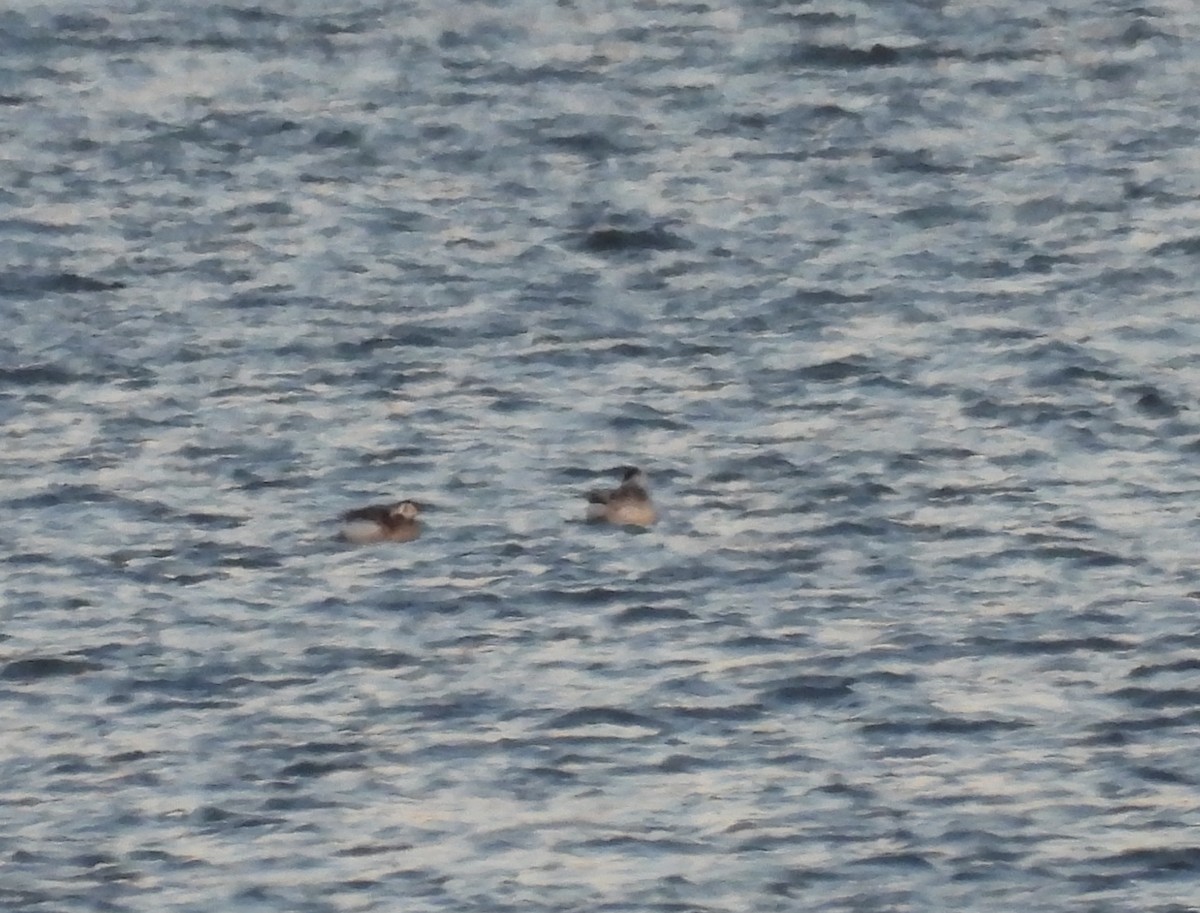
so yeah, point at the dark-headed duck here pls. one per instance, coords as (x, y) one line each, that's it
(628, 504)
(382, 523)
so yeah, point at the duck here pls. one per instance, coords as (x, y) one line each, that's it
(382, 523)
(626, 505)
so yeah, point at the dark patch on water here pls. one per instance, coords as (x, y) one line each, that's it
(1159, 698)
(805, 689)
(1185, 666)
(1187, 246)
(1154, 862)
(944, 726)
(845, 57)
(33, 375)
(1161, 775)
(628, 241)
(1154, 403)
(38, 285)
(1054, 645)
(330, 658)
(585, 717)
(938, 214)
(644, 614)
(37, 668)
(839, 370)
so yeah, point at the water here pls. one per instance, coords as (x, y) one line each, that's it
(895, 302)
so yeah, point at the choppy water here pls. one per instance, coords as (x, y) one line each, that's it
(895, 302)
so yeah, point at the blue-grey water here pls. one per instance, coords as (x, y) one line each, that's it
(896, 303)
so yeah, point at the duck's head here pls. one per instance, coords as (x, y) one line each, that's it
(405, 510)
(632, 475)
